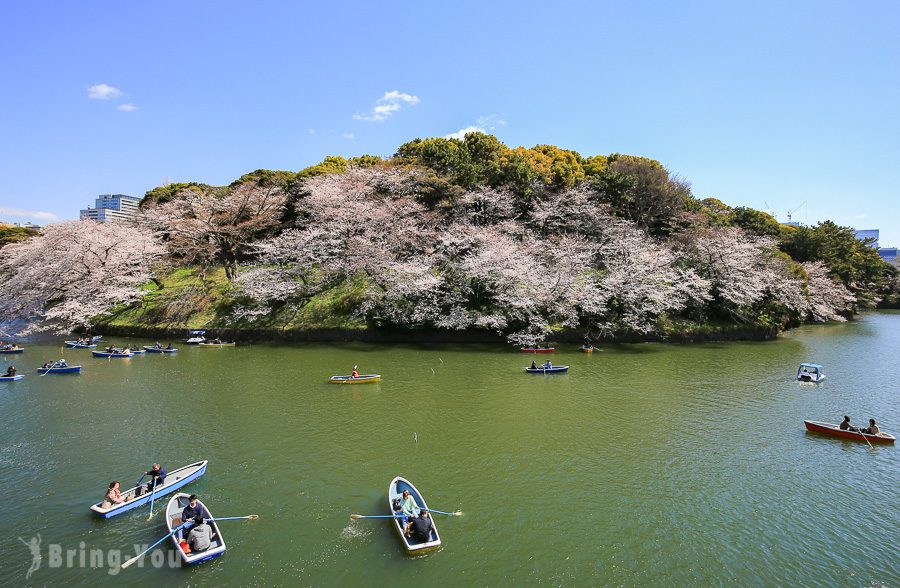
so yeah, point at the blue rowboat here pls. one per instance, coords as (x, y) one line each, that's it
(12, 379)
(113, 354)
(175, 480)
(555, 369)
(173, 519)
(395, 492)
(155, 349)
(69, 369)
(77, 345)
(362, 379)
(13, 350)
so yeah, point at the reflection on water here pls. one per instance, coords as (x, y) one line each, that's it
(645, 465)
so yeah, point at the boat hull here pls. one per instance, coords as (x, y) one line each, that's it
(15, 378)
(587, 349)
(173, 520)
(836, 431)
(395, 490)
(105, 354)
(537, 350)
(72, 369)
(174, 480)
(557, 369)
(76, 345)
(11, 351)
(216, 344)
(151, 349)
(362, 379)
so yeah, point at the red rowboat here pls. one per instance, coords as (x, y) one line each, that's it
(538, 349)
(820, 427)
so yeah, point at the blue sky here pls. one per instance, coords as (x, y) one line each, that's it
(782, 103)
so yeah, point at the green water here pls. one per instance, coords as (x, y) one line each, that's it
(645, 465)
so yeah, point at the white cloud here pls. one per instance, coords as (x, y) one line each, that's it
(491, 121)
(860, 216)
(37, 214)
(461, 133)
(312, 131)
(387, 105)
(127, 107)
(103, 92)
(348, 136)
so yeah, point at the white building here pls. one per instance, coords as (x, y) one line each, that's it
(112, 207)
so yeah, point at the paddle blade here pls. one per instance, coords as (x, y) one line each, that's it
(356, 516)
(131, 561)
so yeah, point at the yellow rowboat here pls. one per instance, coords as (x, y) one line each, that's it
(587, 348)
(361, 379)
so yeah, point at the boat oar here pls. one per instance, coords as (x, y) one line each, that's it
(449, 514)
(143, 553)
(867, 440)
(47, 370)
(152, 496)
(252, 517)
(359, 516)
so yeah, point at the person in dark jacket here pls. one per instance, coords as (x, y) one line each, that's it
(192, 510)
(420, 527)
(157, 473)
(846, 426)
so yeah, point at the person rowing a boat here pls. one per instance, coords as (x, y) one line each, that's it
(192, 510)
(157, 473)
(846, 426)
(354, 374)
(10, 372)
(547, 365)
(113, 496)
(872, 428)
(420, 527)
(533, 365)
(169, 346)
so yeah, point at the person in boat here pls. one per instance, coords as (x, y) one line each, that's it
(113, 496)
(110, 349)
(201, 535)
(10, 372)
(420, 527)
(408, 505)
(158, 473)
(47, 365)
(846, 426)
(547, 365)
(158, 345)
(126, 349)
(62, 363)
(192, 510)
(169, 346)
(354, 374)
(533, 365)
(872, 429)
(398, 514)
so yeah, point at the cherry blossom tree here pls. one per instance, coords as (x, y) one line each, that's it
(73, 272)
(207, 226)
(829, 300)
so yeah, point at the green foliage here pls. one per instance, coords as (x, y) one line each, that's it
(11, 234)
(163, 194)
(855, 263)
(333, 164)
(755, 221)
(565, 166)
(643, 191)
(266, 178)
(366, 161)
(594, 165)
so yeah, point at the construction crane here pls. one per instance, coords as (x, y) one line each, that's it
(795, 210)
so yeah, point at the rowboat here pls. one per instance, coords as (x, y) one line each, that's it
(195, 337)
(537, 349)
(587, 348)
(173, 520)
(223, 344)
(137, 351)
(113, 354)
(69, 369)
(13, 350)
(174, 480)
(15, 378)
(77, 345)
(154, 349)
(395, 492)
(810, 372)
(831, 429)
(554, 369)
(361, 379)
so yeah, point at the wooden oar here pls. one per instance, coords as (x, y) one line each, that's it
(143, 553)
(252, 517)
(867, 439)
(152, 496)
(359, 516)
(449, 514)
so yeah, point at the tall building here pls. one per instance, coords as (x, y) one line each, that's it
(868, 234)
(112, 207)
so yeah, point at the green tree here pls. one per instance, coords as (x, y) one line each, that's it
(755, 221)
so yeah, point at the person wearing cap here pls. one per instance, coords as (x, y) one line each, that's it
(420, 527)
(872, 429)
(192, 510)
(846, 426)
